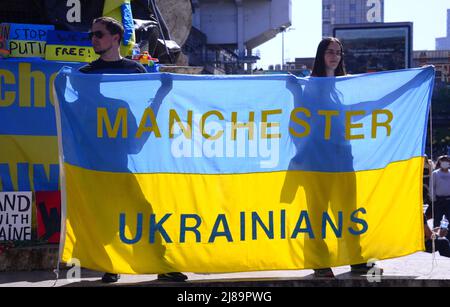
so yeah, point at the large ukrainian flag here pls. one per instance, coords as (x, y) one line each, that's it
(169, 172)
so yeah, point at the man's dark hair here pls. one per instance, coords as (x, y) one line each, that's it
(112, 25)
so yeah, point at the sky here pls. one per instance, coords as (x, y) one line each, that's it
(429, 18)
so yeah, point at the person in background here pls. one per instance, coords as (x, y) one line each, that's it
(441, 243)
(440, 190)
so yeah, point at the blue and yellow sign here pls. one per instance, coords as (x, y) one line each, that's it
(69, 46)
(25, 40)
(29, 147)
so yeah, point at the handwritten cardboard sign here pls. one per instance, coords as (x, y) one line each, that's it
(69, 46)
(25, 40)
(22, 49)
(15, 216)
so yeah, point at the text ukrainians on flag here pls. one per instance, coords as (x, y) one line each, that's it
(164, 173)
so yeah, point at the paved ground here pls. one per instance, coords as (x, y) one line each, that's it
(417, 270)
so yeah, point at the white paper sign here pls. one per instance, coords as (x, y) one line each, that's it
(15, 216)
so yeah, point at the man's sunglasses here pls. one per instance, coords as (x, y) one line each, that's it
(98, 34)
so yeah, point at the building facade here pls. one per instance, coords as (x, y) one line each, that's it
(443, 43)
(239, 26)
(441, 95)
(336, 12)
(441, 61)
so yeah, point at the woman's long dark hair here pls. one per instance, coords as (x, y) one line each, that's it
(319, 62)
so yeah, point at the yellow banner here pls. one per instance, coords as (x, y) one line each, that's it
(153, 223)
(23, 49)
(70, 53)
